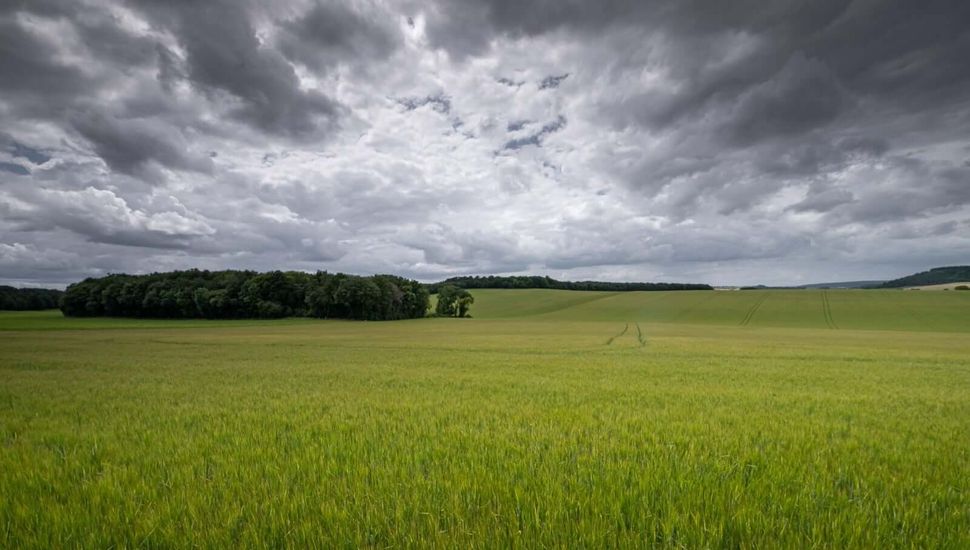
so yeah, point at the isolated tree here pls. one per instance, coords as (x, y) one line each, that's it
(464, 303)
(453, 301)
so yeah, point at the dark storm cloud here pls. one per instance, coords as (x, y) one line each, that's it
(802, 96)
(129, 145)
(466, 27)
(225, 59)
(106, 39)
(805, 51)
(31, 76)
(334, 32)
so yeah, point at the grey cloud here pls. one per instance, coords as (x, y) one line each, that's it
(225, 59)
(129, 145)
(31, 75)
(808, 157)
(332, 33)
(465, 28)
(913, 54)
(913, 231)
(893, 49)
(823, 200)
(802, 96)
(106, 38)
(361, 199)
(170, 69)
(945, 228)
(914, 189)
(631, 244)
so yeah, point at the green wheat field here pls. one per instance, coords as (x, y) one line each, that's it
(708, 419)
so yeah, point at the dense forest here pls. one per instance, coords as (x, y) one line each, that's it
(196, 294)
(23, 299)
(528, 281)
(935, 276)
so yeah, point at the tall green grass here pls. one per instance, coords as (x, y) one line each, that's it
(533, 431)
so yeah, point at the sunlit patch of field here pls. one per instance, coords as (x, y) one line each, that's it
(634, 419)
(943, 286)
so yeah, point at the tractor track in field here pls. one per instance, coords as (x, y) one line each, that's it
(754, 309)
(615, 336)
(827, 311)
(641, 338)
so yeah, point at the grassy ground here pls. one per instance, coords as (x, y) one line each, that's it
(835, 309)
(551, 419)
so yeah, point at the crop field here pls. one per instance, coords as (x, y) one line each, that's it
(551, 419)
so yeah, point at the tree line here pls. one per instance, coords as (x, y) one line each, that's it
(197, 294)
(24, 299)
(537, 281)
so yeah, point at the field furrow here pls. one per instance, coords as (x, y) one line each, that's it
(754, 309)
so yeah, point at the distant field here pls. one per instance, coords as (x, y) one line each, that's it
(836, 309)
(552, 419)
(944, 286)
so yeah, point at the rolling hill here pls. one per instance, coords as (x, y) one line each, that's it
(935, 276)
(824, 309)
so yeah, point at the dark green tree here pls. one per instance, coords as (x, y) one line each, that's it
(238, 294)
(22, 299)
(453, 301)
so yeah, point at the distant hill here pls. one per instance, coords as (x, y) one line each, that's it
(538, 281)
(844, 284)
(935, 276)
(806, 308)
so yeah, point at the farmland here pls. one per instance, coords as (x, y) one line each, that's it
(552, 418)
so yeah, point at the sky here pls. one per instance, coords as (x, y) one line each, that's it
(740, 142)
